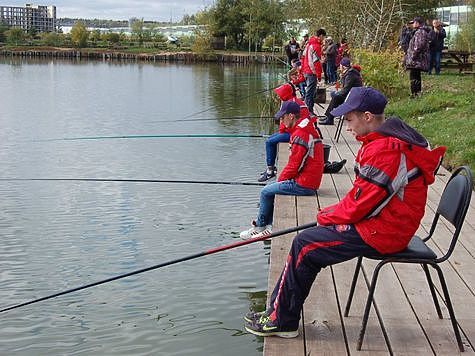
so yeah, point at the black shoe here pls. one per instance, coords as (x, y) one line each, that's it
(326, 121)
(334, 167)
(266, 176)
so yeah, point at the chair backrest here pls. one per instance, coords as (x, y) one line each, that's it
(454, 203)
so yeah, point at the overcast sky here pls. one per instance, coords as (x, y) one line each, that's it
(156, 10)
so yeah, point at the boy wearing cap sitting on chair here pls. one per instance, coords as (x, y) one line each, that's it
(350, 77)
(379, 215)
(302, 174)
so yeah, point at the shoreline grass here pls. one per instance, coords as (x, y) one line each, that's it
(444, 114)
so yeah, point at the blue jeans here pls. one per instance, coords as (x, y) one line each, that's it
(331, 71)
(435, 62)
(311, 83)
(266, 202)
(302, 89)
(271, 146)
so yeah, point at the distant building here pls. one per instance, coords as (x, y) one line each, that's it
(38, 17)
(453, 17)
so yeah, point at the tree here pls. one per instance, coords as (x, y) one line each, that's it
(79, 35)
(136, 26)
(51, 39)
(15, 36)
(3, 29)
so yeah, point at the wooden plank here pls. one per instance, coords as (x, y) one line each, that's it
(285, 216)
(323, 328)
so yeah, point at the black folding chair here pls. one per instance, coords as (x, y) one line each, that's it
(453, 206)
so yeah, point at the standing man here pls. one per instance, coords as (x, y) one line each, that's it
(292, 50)
(437, 36)
(312, 68)
(380, 214)
(417, 56)
(302, 174)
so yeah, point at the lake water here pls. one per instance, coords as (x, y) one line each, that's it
(57, 235)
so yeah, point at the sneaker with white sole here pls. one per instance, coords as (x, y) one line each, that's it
(266, 327)
(256, 231)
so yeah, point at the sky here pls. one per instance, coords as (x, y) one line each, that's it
(149, 10)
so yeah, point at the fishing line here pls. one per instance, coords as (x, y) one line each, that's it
(182, 259)
(151, 136)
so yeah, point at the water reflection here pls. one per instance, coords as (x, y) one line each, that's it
(59, 235)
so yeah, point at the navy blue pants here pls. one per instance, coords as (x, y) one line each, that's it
(312, 250)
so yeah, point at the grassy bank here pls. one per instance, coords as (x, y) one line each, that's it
(445, 115)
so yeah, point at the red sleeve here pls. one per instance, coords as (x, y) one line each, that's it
(366, 194)
(291, 170)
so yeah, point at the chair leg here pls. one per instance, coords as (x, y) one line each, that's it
(369, 301)
(353, 285)
(339, 128)
(449, 306)
(432, 291)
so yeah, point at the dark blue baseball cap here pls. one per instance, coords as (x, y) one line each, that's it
(287, 107)
(362, 99)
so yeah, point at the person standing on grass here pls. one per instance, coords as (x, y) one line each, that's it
(302, 174)
(437, 36)
(416, 59)
(380, 214)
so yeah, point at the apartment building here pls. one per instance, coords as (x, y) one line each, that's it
(41, 18)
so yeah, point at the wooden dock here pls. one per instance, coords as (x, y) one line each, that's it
(404, 320)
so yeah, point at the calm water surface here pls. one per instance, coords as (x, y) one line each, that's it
(59, 235)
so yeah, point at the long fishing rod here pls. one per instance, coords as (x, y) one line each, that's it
(129, 181)
(225, 118)
(172, 262)
(151, 136)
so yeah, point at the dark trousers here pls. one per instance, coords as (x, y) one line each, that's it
(334, 103)
(312, 250)
(416, 81)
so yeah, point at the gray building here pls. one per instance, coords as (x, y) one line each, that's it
(41, 18)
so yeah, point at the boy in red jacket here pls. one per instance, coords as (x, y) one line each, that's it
(302, 174)
(380, 214)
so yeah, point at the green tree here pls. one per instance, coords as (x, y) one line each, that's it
(79, 35)
(137, 28)
(465, 38)
(3, 29)
(51, 39)
(112, 37)
(15, 36)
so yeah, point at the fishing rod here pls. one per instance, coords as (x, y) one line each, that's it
(172, 262)
(216, 118)
(151, 136)
(129, 181)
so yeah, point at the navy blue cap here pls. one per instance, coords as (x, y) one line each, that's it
(287, 107)
(362, 99)
(345, 62)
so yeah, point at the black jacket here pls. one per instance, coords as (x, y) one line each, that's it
(437, 40)
(351, 78)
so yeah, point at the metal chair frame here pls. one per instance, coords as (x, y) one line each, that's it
(339, 127)
(453, 206)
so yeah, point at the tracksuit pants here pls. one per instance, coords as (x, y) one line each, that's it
(312, 250)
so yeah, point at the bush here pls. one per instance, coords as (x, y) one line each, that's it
(51, 39)
(383, 71)
(202, 44)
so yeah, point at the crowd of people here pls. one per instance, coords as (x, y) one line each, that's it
(393, 168)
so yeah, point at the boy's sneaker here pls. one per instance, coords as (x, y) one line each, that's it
(256, 231)
(253, 317)
(266, 175)
(266, 327)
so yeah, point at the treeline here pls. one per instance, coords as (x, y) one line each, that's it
(101, 23)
